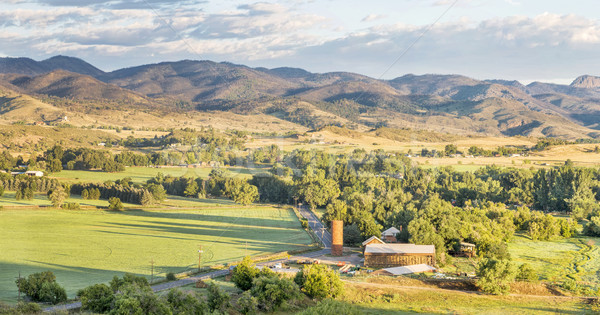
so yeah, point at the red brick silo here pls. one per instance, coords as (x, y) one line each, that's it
(337, 237)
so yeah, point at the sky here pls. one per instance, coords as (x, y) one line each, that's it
(525, 40)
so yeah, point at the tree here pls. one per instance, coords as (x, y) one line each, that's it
(54, 166)
(247, 303)
(42, 287)
(526, 273)
(98, 298)
(450, 149)
(115, 203)
(244, 273)
(271, 291)
(158, 192)
(319, 281)
(57, 196)
(316, 189)
(495, 276)
(336, 210)
(185, 303)
(245, 194)
(191, 190)
(218, 300)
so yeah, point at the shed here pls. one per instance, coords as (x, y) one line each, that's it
(373, 240)
(393, 255)
(35, 173)
(467, 249)
(389, 235)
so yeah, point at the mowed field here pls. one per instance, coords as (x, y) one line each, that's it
(577, 257)
(142, 174)
(83, 247)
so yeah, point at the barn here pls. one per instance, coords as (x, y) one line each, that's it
(392, 255)
(390, 235)
(372, 240)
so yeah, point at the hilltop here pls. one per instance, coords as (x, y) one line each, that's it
(452, 104)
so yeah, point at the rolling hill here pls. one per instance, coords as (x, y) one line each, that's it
(444, 103)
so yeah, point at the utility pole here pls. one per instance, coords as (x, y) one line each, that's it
(151, 270)
(200, 251)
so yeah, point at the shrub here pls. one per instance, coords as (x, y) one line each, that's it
(272, 292)
(217, 299)
(495, 275)
(115, 203)
(319, 281)
(98, 298)
(71, 206)
(185, 303)
(244, 273)
(42, 287)
(247, 304)
(171, 276)
(117, 284)
(526, 273)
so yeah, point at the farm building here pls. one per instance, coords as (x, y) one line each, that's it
(467, 249)
(389, 235)
(372, 240)
(392, 255)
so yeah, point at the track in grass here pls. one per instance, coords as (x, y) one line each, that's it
(87, 247)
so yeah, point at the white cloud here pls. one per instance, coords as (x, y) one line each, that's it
(373, 17)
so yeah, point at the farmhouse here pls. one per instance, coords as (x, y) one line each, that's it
(392, 255)
(389, 235)
(372, 240)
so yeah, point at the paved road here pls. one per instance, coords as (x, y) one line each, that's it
(314, 223)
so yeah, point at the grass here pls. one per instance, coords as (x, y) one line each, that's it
(86, 247)
(8, 200)
(577, 258)
(398, 300)
(142, 174)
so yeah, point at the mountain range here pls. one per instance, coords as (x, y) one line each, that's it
(445, 103)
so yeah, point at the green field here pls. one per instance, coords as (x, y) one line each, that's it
(83, 247)
(578, 257)
(142, 174)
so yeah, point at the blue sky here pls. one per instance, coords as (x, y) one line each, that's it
(526, 40)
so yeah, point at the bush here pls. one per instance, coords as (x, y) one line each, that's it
(271, 291)
(526, 273)
(98, 298)
(185, 303)
(171, 276)
(244, 273)
(319, 281)
(70, 206)
(247, 304)
(117, 284)
(42, 287)
(495, 276)
(217, 299)
(115, 203)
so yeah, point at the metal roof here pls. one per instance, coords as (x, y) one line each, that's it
(399, 249)
(404, 270)
(391, 231)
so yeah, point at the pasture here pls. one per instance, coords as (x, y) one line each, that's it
(83, 247)
(577, 258)
(142, 174)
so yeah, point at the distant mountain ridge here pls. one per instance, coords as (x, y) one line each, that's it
(449, 103)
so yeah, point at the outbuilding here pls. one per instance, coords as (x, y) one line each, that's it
(393, 255)
(372, 240)
(390, 235)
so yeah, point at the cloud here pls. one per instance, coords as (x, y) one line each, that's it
(373, 17)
